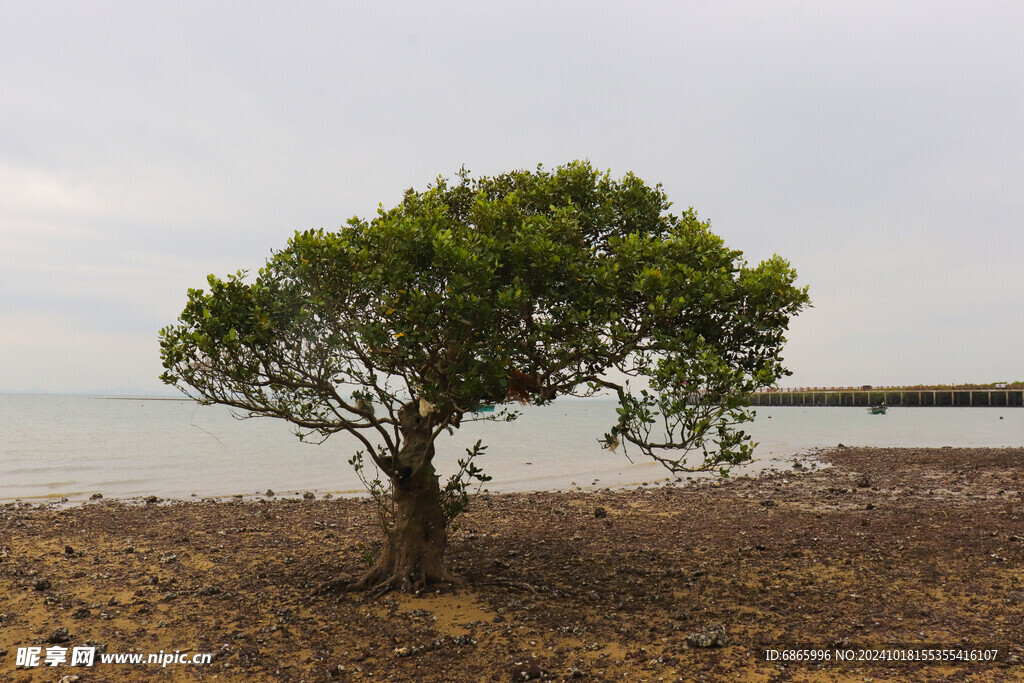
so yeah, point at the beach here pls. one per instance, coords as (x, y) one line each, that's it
(867, 550)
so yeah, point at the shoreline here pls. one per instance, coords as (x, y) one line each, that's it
(886, 547)
(122, 450)
(58, 501)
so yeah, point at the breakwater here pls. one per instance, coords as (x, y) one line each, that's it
(931, 398)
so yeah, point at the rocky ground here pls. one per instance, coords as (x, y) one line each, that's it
(893, 548)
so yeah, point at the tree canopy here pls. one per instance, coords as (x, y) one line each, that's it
(522, 287)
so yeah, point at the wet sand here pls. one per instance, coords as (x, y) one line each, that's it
(888, 548)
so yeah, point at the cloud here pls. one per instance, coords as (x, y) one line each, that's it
(873, 145)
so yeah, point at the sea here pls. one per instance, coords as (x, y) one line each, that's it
(55, 447)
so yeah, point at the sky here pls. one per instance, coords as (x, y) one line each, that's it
(878, 146)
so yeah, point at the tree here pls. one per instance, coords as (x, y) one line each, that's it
(523, 287)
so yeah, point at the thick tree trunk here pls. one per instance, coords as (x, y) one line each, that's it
(413, 555)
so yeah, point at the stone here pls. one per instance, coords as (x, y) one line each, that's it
(59, 635)
(530, 672)
(711, 636)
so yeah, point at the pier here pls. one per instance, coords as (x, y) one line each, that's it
(891, 396)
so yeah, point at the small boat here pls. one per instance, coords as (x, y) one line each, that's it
(877, 410)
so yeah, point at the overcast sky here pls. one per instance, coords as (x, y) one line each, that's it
(877, 146)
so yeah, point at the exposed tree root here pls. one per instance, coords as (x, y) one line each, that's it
(407, 577)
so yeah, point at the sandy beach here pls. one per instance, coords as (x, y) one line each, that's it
(904, 550)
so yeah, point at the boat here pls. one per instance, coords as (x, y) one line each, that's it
(877, 410)
(485, 409)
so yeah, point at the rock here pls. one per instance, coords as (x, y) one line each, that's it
(60, 635)
(600, 513)
(81, 613)
(96, 496)
(712, 636)
(270, 494)
(309, 495)
(212, 589)
(841, 445)
(41, 584)
(68, 550)
(1015, 597)
(768, 503)
(153, 500)
(864, 482)
(522, 672)
(248, 655)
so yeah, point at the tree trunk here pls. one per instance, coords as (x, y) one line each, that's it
(413, 555)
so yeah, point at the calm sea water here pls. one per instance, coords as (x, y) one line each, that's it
(74, 446)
